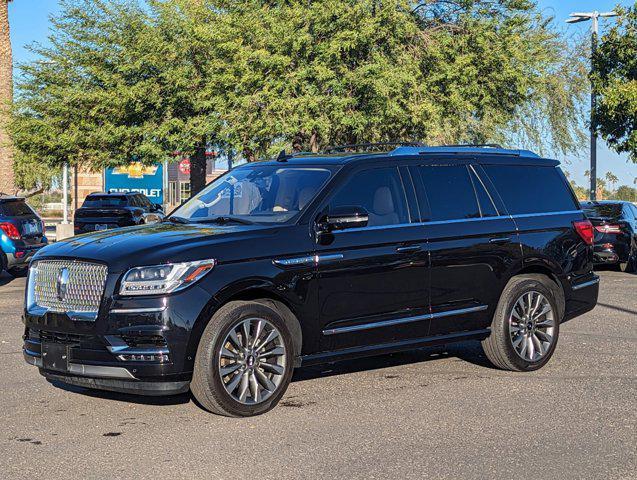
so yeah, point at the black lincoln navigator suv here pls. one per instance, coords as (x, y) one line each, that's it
(317, 258)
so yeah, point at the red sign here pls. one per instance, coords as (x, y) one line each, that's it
(184, 166)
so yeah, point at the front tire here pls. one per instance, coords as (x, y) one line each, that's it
(244, 360)
(525, 326)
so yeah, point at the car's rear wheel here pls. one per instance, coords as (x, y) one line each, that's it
(244, 361)
(525, 326)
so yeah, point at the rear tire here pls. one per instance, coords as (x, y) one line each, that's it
(241, 374)
(525, 326)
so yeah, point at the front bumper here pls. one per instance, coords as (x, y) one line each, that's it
(22, 256)
(146, 343)
(113, 379)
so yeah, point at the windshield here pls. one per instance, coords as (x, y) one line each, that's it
(105, 201)
(607, 210)
(265, 194)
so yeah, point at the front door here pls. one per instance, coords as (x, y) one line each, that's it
(373, 280)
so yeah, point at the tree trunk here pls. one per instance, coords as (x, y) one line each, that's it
(198, 170)
(249, 155)
(314, 146)
(7, 179)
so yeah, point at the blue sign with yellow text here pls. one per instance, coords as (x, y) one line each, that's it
(136, 177)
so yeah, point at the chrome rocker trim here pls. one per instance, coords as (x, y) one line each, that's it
(399, 321)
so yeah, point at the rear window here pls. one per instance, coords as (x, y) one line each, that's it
(99, 201)
(15, 208)
(531, 189)
(606, 210)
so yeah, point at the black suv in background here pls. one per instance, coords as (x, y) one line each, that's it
(21, 234)
(312, 259)
(615, 240)
(103, 211)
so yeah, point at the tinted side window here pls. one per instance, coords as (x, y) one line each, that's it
(379, 191)
(487, 208)
(450, 192)
(531, 189)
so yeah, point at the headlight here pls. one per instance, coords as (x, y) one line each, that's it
(161, 279)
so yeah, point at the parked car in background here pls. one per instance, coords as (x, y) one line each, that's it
(313, 259)
(21, 234)
(615, 224)
(103, 211)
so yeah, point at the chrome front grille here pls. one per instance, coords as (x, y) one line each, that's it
(67, 286)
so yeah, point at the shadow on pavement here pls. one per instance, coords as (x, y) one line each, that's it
(470, 351)
(123, 397)
(619, 309)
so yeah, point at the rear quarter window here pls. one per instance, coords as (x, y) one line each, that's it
(531, 189)
(15, 209)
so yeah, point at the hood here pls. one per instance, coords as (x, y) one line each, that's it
(159, 243)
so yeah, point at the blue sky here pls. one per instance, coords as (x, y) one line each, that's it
(30, 23)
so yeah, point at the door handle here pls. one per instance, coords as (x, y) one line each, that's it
(409, 249)
(500, 240)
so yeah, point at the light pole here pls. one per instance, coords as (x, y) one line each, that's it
(584, 17)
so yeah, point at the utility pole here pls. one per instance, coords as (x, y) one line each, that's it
(594, 17)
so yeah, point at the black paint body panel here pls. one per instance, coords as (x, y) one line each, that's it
(445, 266)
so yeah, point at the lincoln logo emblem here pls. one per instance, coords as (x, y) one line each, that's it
(63, 283)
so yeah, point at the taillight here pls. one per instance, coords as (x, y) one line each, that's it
(585, 230)
(10, 230)
(609, 228)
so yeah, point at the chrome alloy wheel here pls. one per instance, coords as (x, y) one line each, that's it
(252, 361)
(532, 326)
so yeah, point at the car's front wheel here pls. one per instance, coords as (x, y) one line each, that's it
(525, 326)
(244, 361)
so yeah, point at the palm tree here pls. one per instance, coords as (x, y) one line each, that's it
(7, 180)
(612, 179)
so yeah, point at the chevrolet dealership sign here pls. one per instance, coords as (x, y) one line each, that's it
(136, 177)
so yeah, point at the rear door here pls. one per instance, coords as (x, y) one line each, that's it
(373, 280)
(472, 244)
(544, 208)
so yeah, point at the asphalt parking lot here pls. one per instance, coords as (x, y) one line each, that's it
(436, 413)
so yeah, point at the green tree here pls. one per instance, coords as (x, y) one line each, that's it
(122, 81)
(624, 192)
(128, 80)
(614, 77)
(612, 179)
(360, 71)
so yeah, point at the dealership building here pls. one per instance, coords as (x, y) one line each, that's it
(166, 184)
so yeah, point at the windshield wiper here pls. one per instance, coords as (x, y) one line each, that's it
(181, 220)
(223, 219)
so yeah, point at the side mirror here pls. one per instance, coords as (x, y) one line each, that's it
(157, 208)
(342, 218)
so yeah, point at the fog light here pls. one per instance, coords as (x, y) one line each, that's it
(130, 357)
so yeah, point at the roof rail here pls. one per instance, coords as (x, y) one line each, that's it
(462, 149)
(352, 147)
